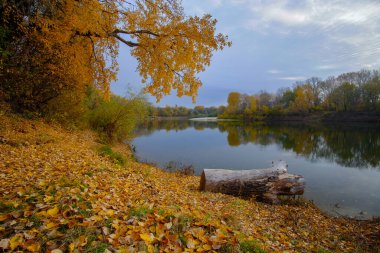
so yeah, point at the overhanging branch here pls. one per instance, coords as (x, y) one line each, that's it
(137, 32)
(126, 42)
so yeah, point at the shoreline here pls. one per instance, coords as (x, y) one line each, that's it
(322, 117)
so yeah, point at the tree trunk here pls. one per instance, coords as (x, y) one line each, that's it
(264, 184)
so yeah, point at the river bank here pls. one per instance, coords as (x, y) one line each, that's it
(63, 190)
(327, 117)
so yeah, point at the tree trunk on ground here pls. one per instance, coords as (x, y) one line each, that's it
(264, 184)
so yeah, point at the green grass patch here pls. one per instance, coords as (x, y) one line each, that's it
(251, 246)
(115, 156)
(6, 208)
(140, 212)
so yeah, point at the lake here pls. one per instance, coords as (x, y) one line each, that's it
(340, 163)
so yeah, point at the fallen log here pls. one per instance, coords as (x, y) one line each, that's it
(263, 184)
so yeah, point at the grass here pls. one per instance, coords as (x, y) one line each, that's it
(115, 156)
(251, 246)
(140, 212)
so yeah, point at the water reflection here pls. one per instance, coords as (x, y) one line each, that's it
(355, 146)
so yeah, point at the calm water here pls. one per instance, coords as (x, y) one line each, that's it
(341, 164)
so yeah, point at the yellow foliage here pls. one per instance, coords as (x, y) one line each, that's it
(69, 45)
(233, 102)
(304, 98)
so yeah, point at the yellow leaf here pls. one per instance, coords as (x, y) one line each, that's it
(82, 240)
(151, 248)
(71, 247)
(35, 247)
(50, 225)
(110, 212)
(42, 183)
(48, 198)
(206, 247)
(15, 241)
(52, 212)
(147, 238)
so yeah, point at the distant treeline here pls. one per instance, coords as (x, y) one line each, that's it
(349, 92)
(181, 111)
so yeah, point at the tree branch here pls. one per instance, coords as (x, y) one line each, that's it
(126, 42)
(137, 32)
(113, 34)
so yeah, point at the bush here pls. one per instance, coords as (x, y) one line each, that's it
(116, 119)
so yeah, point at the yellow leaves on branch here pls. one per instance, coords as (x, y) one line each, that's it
(69, 45)
(172, 48)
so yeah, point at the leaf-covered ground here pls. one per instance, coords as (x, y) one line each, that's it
(58, 193)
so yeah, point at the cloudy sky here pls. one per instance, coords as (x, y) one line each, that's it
(275, 43)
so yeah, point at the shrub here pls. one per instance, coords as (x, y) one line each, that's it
(116, 119)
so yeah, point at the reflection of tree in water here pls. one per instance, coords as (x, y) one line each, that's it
(350, 146)
(148, 127)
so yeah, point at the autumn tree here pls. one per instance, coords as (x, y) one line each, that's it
(344, 97)
(304, 98)
(233, 101)
(56, 46)
(371, 94)
(251, 107)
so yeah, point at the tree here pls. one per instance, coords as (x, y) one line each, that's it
(252, 105)
(285, 97)
(233, 101)
(344, 97)
(315, 84)
(371, 93)
(304, 98)
(264, 101)
(67, 45)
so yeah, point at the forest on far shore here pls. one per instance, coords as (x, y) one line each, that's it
(349, 92)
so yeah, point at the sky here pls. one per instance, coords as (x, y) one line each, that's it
(274, 44)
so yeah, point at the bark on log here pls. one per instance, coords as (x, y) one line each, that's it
(264, 184)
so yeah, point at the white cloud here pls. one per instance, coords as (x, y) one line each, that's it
(274, 71)
(349, 29)
(216, 3)
(319, 13)
(327, 66)
(293, 78)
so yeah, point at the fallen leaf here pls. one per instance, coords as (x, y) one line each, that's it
(3, 217)
(15, 241)
(53, 211)
(35, 247)
(4, 244)
(147, 238)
